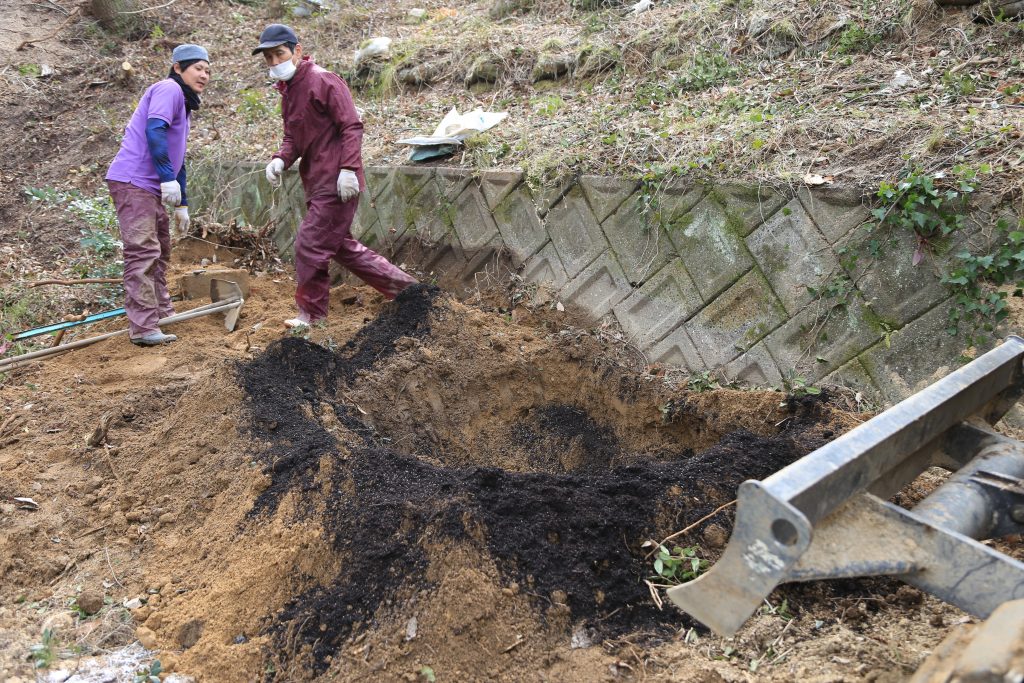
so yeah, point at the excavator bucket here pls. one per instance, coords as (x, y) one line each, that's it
(828, 516)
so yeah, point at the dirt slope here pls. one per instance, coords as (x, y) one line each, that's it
(428, 488)
(419, 484)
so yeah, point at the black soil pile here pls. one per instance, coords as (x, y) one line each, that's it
(577, 534)
(571, 533)
(562, 438)
(409, 316)
(293, 380)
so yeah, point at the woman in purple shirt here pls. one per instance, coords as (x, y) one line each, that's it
(149, 171)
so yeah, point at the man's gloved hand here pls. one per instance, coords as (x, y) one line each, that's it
(179, 226)
(274, 170)
(170, 193)
(348, 185)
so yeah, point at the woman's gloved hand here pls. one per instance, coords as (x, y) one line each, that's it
(348, 185)
(170, 193)
(181, 221)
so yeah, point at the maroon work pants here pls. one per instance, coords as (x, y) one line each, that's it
(325, 234)
(145, 233)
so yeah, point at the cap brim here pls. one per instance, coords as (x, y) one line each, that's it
(268, 45)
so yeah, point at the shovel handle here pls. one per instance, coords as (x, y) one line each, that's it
(197, 312)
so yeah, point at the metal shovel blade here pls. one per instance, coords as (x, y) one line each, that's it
(224, 291)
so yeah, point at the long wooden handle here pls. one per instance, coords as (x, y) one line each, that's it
(176, 318)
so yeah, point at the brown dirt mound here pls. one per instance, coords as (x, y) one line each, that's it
(417, 484)
(568, 530)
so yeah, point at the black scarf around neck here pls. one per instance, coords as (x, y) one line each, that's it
(192, 100)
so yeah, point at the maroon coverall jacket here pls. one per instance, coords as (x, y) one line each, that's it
(322, 127)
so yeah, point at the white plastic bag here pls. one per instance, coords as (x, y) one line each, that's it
(378, 47)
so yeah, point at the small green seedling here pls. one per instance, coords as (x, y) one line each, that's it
(45, 652)
(781, 610)
(798, 386)
(150, 675)
(679, 565)
(77, 609)
(702, 382)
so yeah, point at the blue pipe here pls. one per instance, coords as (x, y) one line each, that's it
(63, 326)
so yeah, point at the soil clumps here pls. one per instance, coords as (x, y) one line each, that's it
(415, 484)
(567, 532)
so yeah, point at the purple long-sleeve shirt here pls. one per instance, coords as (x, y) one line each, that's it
(321, 125)
(134, 164)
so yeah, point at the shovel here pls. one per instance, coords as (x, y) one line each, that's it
(226, 298)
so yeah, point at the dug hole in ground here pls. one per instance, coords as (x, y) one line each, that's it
(429, 490)
(417, 490)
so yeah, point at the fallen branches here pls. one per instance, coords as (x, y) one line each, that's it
(974, 61)
(692, 526)
(79, 281)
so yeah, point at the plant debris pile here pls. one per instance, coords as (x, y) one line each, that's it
(568, 533)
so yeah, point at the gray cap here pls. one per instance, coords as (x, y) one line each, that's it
(274, 35)
(189, 53)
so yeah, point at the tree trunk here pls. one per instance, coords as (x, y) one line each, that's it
(116, 16)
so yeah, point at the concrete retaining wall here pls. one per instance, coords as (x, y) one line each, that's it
(707, 278)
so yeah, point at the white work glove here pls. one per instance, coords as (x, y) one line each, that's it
(179, 227)
(274, 170)
(170, 193)
(348, 185)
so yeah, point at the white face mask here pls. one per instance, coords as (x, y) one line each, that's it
(283, 71)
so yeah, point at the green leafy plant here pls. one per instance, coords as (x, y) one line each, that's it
(547, 105)
(300, 332)
(47, 195)
(678, 565)
(254, 106)
(99, 241)
(97, 212)
(781, 610)
(979, 305)
(961, 85)
(706, 70)
(150, 675)
(652, 180)
(855, 39)
(798, 386)
(933, 208)
(44, 653)
(702, 381)
(655, 92)
(77, 609)
(427, 674)
(838, 289)
(931, 211)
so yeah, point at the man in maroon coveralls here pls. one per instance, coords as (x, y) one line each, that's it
(322, 126)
